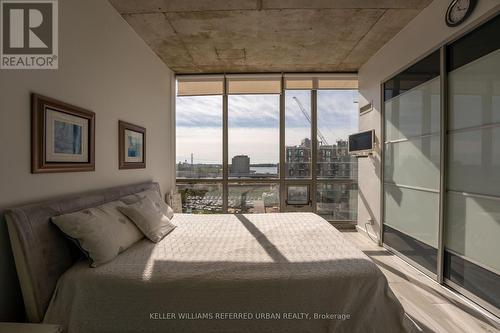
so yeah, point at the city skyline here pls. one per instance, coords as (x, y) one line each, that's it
(199, 120)
(333, 161)
(188, 161)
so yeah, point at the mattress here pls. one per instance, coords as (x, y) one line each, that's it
(283, 272)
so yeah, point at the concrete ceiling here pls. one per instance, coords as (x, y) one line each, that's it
(232, 36)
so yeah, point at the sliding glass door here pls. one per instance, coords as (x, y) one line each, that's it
(472, 224)
(442, 165)
(412, 162)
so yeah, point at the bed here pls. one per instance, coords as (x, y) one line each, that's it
(282, 272)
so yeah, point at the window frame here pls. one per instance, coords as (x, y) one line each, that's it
(219, 175)
(281, 180)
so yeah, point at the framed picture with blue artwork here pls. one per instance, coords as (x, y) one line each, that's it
(62, 136)
(132, 146)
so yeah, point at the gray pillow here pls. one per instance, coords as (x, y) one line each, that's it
(154, 196)
(146, 216)
(101, 232)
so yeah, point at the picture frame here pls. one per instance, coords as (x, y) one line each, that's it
(131, 146)
(62, 136)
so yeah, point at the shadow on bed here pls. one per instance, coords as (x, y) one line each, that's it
(110, 300)
(267, 245)
(288, 262)
(266, 271)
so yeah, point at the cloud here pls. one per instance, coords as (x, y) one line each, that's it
(294, 117)
(199, 111)
(337, 114)
(251, 111)
(254, 123)
(204, 142)
(260, 144)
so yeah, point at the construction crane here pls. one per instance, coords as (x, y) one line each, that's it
(304, 112)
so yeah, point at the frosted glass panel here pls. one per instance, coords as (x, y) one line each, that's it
(472, 219)
(414, 162)
(412, 212)
(474, 161)
(475, 93)
(415, 112)
(412, 157)
(473, 229)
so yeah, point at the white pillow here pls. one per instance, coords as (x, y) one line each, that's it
(146, 216)
(101, 232)
(154, 196)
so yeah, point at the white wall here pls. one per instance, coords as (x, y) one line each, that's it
(104, 67)
(425, 33)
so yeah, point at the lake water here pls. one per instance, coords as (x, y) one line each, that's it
(264, 170)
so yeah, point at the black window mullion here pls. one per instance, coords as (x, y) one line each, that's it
(314, 147)
(225, 153)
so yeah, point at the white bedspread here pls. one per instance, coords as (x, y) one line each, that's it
(232, 273)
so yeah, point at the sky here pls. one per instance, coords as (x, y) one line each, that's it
(253, 124)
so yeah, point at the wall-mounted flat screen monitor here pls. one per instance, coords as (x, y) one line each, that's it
(361, 143)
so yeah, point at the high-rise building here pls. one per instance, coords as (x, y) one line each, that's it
(298, 159)
(333, 161)
(240, 164)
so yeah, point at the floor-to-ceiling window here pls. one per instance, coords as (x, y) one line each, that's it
(199, 154)
(336, 170)
(251, 144)
(320, 175)
(442, 164)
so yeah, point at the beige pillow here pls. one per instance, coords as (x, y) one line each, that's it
(154, 196)
(101, 232)
(145, 215)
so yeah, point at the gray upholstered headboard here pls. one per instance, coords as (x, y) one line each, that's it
(41, 252)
